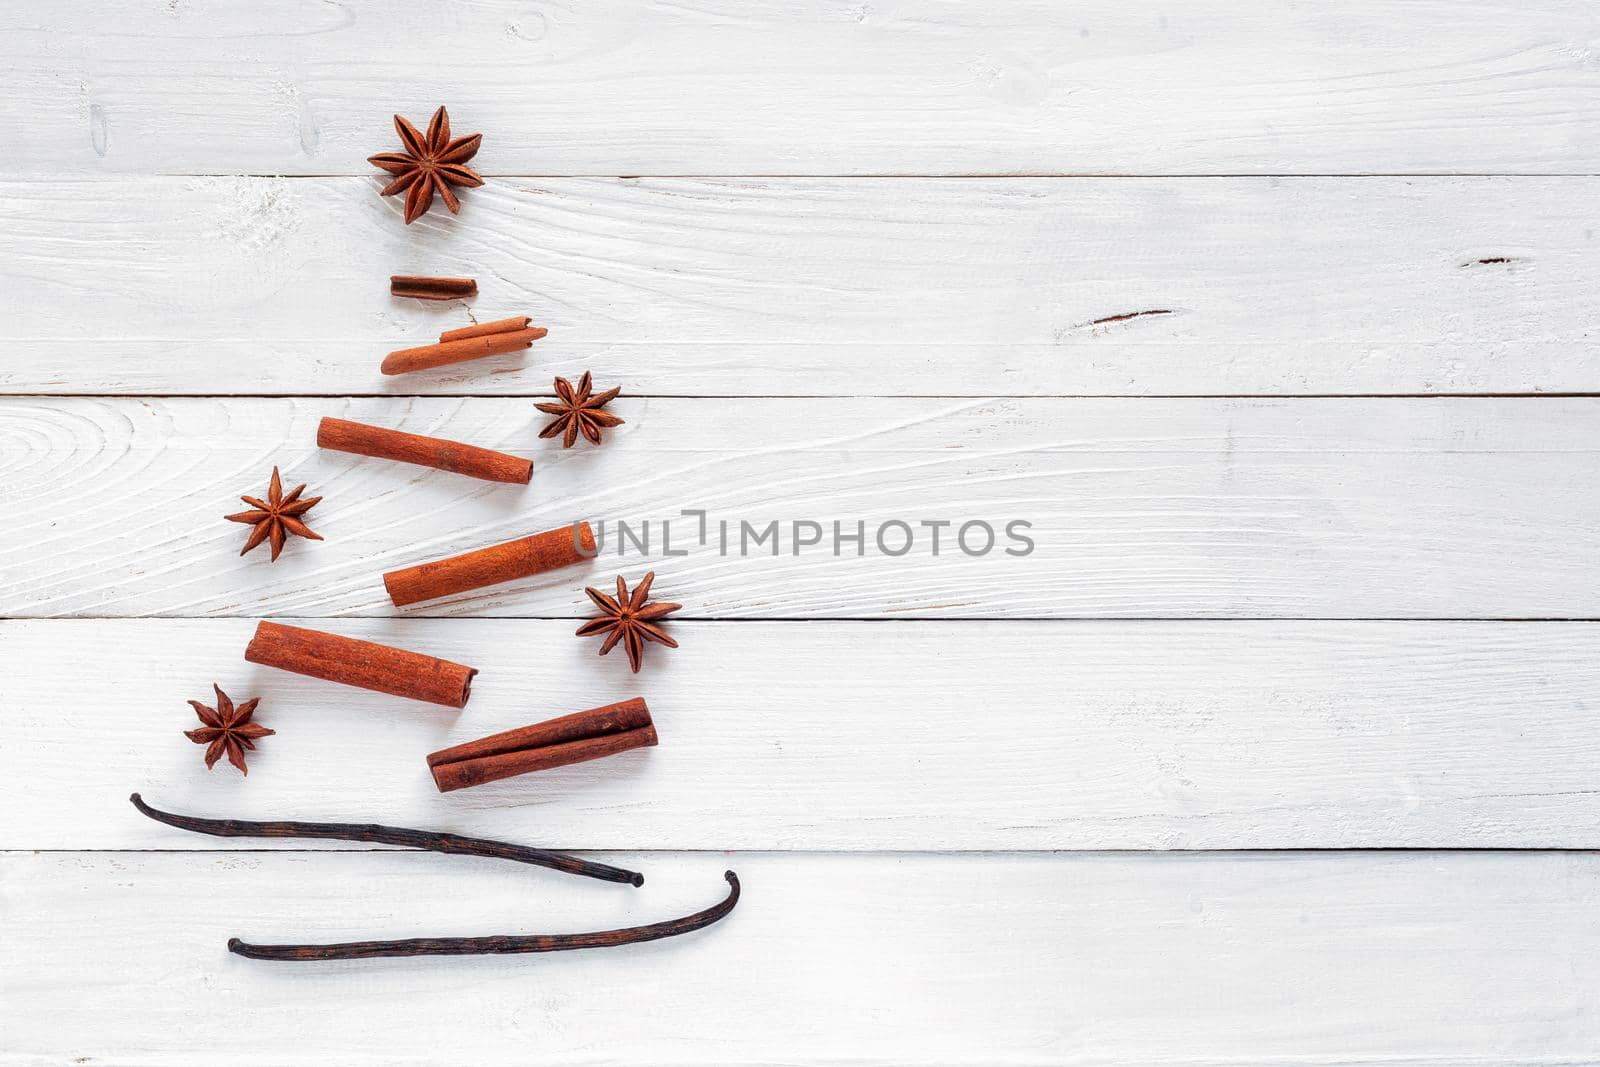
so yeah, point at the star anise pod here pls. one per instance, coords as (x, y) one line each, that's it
(227, 729)
(630, 620)
(429, 164)
(577, 412)
(276, 517)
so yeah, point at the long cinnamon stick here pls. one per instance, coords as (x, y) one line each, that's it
(364, 440)
(478, 346)
(422, 288)
(526, 556)
(584, 735)
(364, 664)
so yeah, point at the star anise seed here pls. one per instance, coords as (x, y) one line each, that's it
(578, 412)
(430, 164)
(276, 517)
(629, 620)
(227, 729)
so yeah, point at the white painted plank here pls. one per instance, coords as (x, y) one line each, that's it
(833, 735)
(815, 286)
(834, 87)
(1370, 508)
(1352, 958)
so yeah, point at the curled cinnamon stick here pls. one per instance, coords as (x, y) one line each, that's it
(459, 349)
(584, 735)
(364, 664)
(522, 558)
(483, 329)
(363, 440)
(422, 288)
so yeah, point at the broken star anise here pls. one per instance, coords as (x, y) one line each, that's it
(630, 620)
(227, 729)
(276, 517)
(578, 412)
(430, 164)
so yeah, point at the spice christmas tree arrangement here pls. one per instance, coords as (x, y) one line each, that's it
(430, 164)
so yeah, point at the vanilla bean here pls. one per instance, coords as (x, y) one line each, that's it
(371, 833)
(496, 945)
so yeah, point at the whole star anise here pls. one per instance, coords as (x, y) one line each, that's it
(429, 164)
(577, 412)
(227, 729)
(630, 620)
(276, 517)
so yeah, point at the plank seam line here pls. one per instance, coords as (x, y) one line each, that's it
(1093, 175)
(1575, 394)
(1132, 852)
(811, 620)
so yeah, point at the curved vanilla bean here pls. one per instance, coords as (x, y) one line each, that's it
(371, 833)
(500, 944)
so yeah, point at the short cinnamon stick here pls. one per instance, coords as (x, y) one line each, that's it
(478, 346)
(584, 735)
(522, 558)
(364, 440)
(364, 664)
(422, 288)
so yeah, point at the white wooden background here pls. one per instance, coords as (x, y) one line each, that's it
(1277, 320)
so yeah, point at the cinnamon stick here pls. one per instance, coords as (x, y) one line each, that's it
(584, 735)
(422, 288)
(364, 664)
(459, 350)
(483, 329)
(364, 440)
(522, 558)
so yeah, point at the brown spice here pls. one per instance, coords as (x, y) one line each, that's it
(629, 620)
(576, 411)
(426, 357)
(522, 558)
(227, 729)
(422, 288)
(363, 440)
(276, 517)
(480, 329)
(584, 735)
(429, 164)
(364, 664)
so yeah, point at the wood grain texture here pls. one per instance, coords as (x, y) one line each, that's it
(1458, 508)
(834, 87)
(858, 736)
(815, 286)
(1469, 958)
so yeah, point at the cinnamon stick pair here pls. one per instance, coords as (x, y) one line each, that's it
(522, 558)
(585, 735)
(470, 342)
(364, 440)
